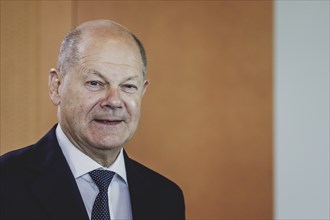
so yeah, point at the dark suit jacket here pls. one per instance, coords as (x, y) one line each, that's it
(36, 183)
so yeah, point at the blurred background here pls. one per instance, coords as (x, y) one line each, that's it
(237, 112)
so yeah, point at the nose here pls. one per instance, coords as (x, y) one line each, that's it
(112, 99)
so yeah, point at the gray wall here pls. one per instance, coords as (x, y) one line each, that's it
(301, 109)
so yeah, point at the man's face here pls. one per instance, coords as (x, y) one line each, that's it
(100, 98)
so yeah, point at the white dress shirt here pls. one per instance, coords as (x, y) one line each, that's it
(80, 165)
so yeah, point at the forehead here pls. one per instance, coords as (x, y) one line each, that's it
(106, 48)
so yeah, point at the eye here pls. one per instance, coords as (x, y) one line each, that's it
(129, 87)
(94, 84)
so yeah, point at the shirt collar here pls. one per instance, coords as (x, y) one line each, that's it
(81, 164)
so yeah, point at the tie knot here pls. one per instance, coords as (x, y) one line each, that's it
(102, 178)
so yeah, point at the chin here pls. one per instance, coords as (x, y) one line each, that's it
(108, 144)
(107, 140)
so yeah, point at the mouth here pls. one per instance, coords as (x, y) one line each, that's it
(109, 122)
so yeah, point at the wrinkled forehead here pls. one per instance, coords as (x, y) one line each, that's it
(103, 46)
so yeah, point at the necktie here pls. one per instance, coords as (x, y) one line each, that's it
(102, 179)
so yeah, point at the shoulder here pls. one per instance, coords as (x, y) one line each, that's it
(15, 172)
(153, 191)
(30, 157)
(152, 182)
(18, 166)
(154, 176)
(17, 157)
(150, 176)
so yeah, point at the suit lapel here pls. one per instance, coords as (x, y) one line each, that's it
(142, 201)
(54, 186)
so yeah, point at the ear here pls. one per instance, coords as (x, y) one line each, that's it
(145, 86)
(54, 83)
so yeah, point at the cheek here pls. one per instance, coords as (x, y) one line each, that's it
(85, 104)
(133, 107)
(77, 101)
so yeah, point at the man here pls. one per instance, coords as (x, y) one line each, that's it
(98, 88)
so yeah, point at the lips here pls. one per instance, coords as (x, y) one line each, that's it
(109, 121)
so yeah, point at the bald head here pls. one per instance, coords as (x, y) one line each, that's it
(96, 32)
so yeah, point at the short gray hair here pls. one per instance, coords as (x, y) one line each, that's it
(69, 54)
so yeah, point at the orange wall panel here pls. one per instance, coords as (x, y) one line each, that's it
(31, 33)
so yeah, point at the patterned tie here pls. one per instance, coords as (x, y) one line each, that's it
(102, 179)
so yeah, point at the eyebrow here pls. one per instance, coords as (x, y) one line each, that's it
(131, 78)
(95, 72)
